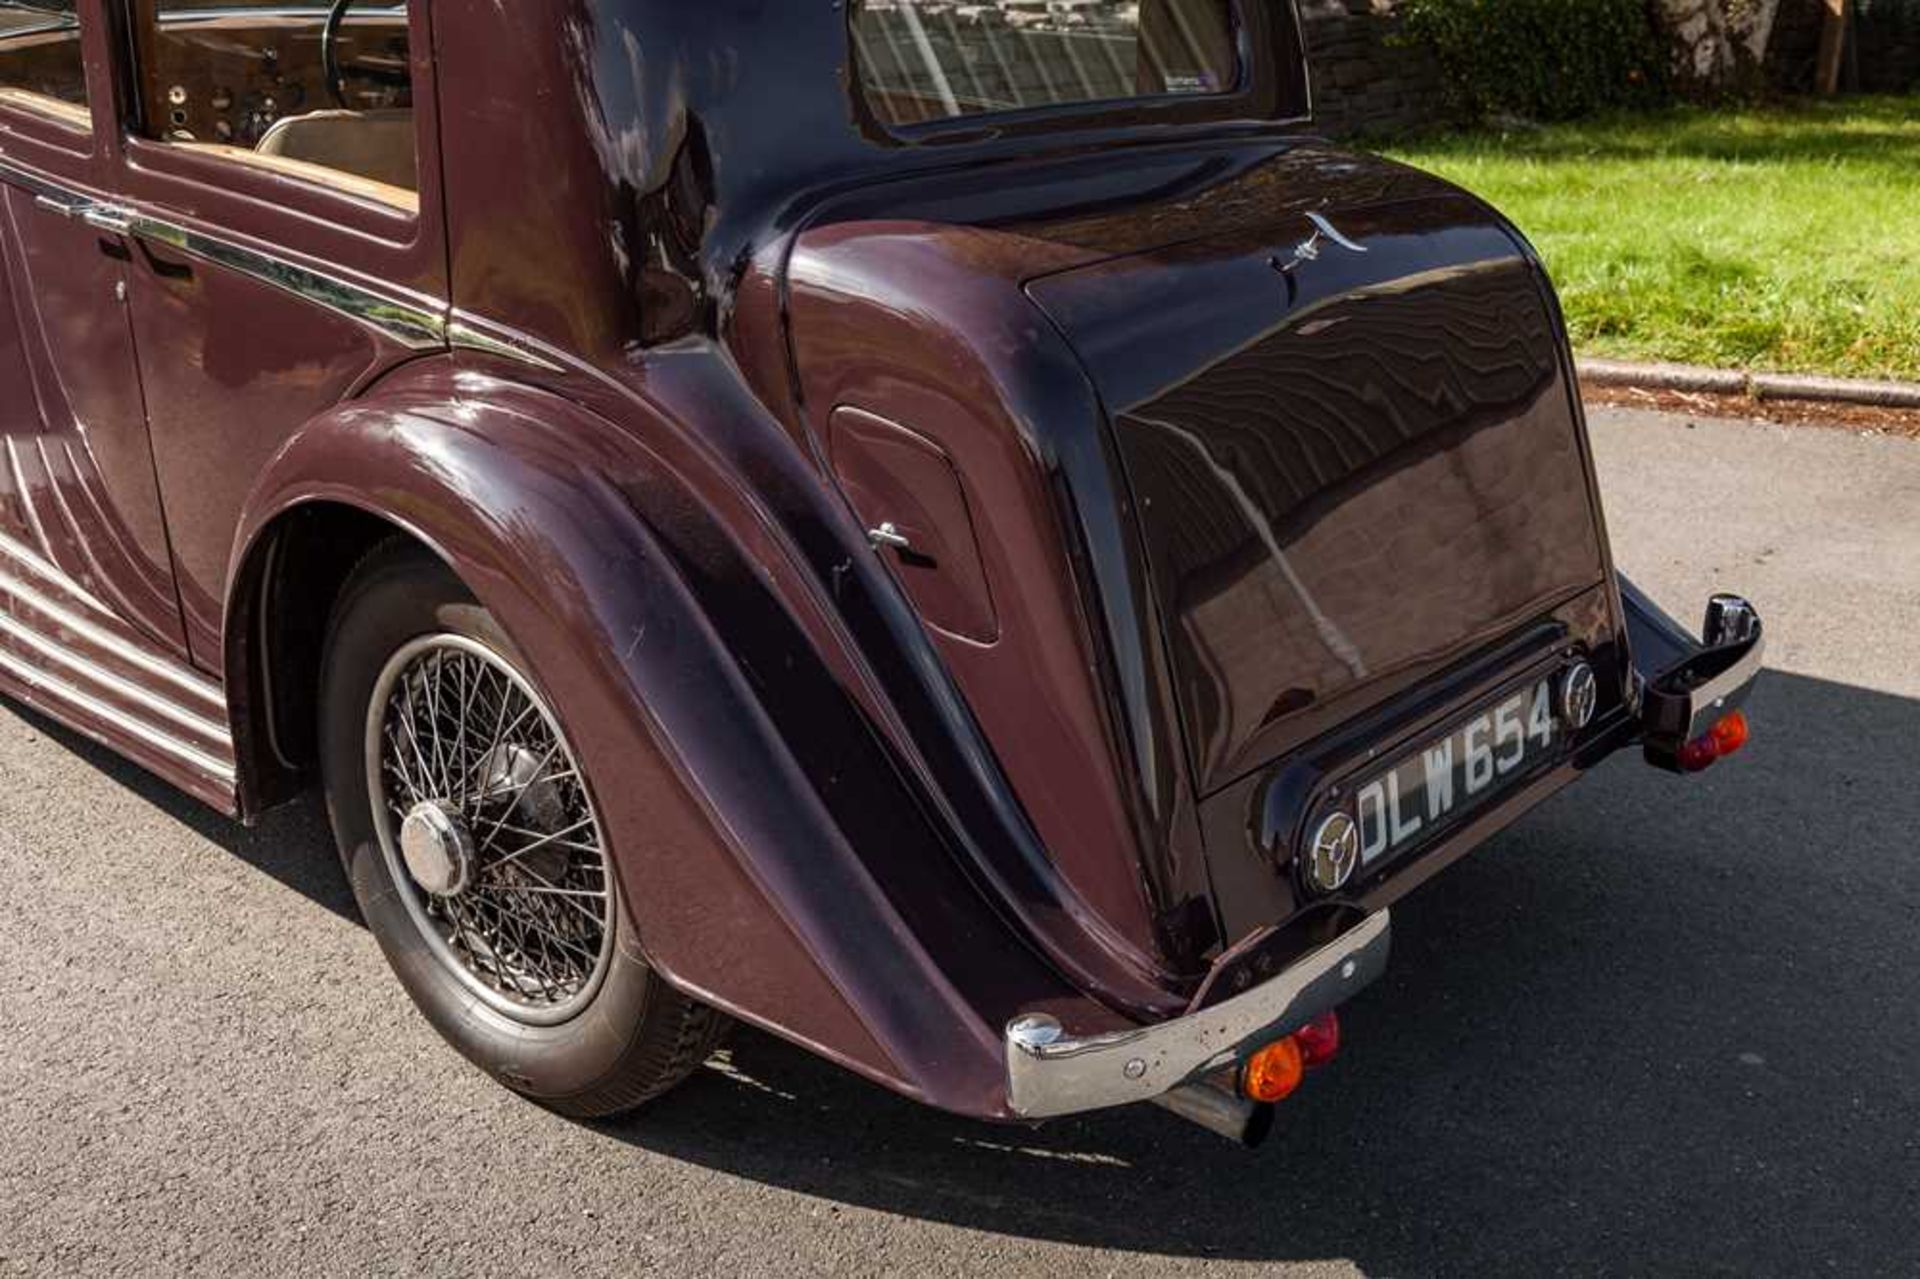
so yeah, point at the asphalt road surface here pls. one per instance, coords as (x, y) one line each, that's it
(1662, 1026)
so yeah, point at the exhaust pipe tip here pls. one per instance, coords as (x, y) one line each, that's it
(1219, 1111)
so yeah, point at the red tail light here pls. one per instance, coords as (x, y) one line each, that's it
(1725, 738)
(1274, 1072)
(1320, 1039)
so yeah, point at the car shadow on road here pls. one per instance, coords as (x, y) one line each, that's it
(292, 844)
(1661, 1025)
(1664, 1025)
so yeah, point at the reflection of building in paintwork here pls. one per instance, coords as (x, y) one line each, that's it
(928, 59)
(1365, 76)
(1061, 15)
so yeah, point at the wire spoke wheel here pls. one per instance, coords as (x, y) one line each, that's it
(488, 830)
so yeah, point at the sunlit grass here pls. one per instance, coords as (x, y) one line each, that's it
(1784, 238)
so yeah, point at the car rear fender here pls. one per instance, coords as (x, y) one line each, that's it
(786, 874)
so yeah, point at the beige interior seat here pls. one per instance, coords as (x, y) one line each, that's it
(377, 145)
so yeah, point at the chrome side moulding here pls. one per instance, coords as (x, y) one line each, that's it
(416, 324)
(1051, 1073)
(419, 324)
(92, 672)
(140, 730)
(188, 681)
(465, 334)
(44, 569)
(39, 629)
(48, 195)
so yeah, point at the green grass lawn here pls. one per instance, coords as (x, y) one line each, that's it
(1785, 239)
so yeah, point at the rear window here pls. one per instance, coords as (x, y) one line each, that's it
(926, 60)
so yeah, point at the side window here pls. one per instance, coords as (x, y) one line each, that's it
(40, 63)
(322, 92)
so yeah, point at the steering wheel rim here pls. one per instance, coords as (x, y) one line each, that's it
(330, 52)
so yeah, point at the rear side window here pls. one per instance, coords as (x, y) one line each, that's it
(926, 60)
(323, 93)
(40, 63)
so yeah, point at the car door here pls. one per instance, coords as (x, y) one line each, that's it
(280, 205)
(80, 515)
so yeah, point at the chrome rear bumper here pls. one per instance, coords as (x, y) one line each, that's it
(1687, 686)
(1051, 1073)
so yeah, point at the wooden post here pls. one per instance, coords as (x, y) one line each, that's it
(1833, 47)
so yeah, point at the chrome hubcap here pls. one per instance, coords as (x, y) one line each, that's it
(438, 849)
(488, 831)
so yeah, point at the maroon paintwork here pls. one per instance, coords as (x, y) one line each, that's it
(708, 324)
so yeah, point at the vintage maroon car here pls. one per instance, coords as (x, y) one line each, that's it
(958, 533)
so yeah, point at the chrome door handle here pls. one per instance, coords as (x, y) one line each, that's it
(109, 218)
(58, 207)
(101, 217)
(888, 535)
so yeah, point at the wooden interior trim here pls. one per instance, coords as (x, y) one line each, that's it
(334, 179)
(67, 113)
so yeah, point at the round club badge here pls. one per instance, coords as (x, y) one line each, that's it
(1579, 695)
(1333, 855)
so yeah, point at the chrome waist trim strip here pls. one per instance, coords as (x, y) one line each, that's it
(419, 324)
(179, 676)
(93, 673)
(42, 188)
(1049, 1073)
(140, 730)
(463, 334)
(414, 323)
